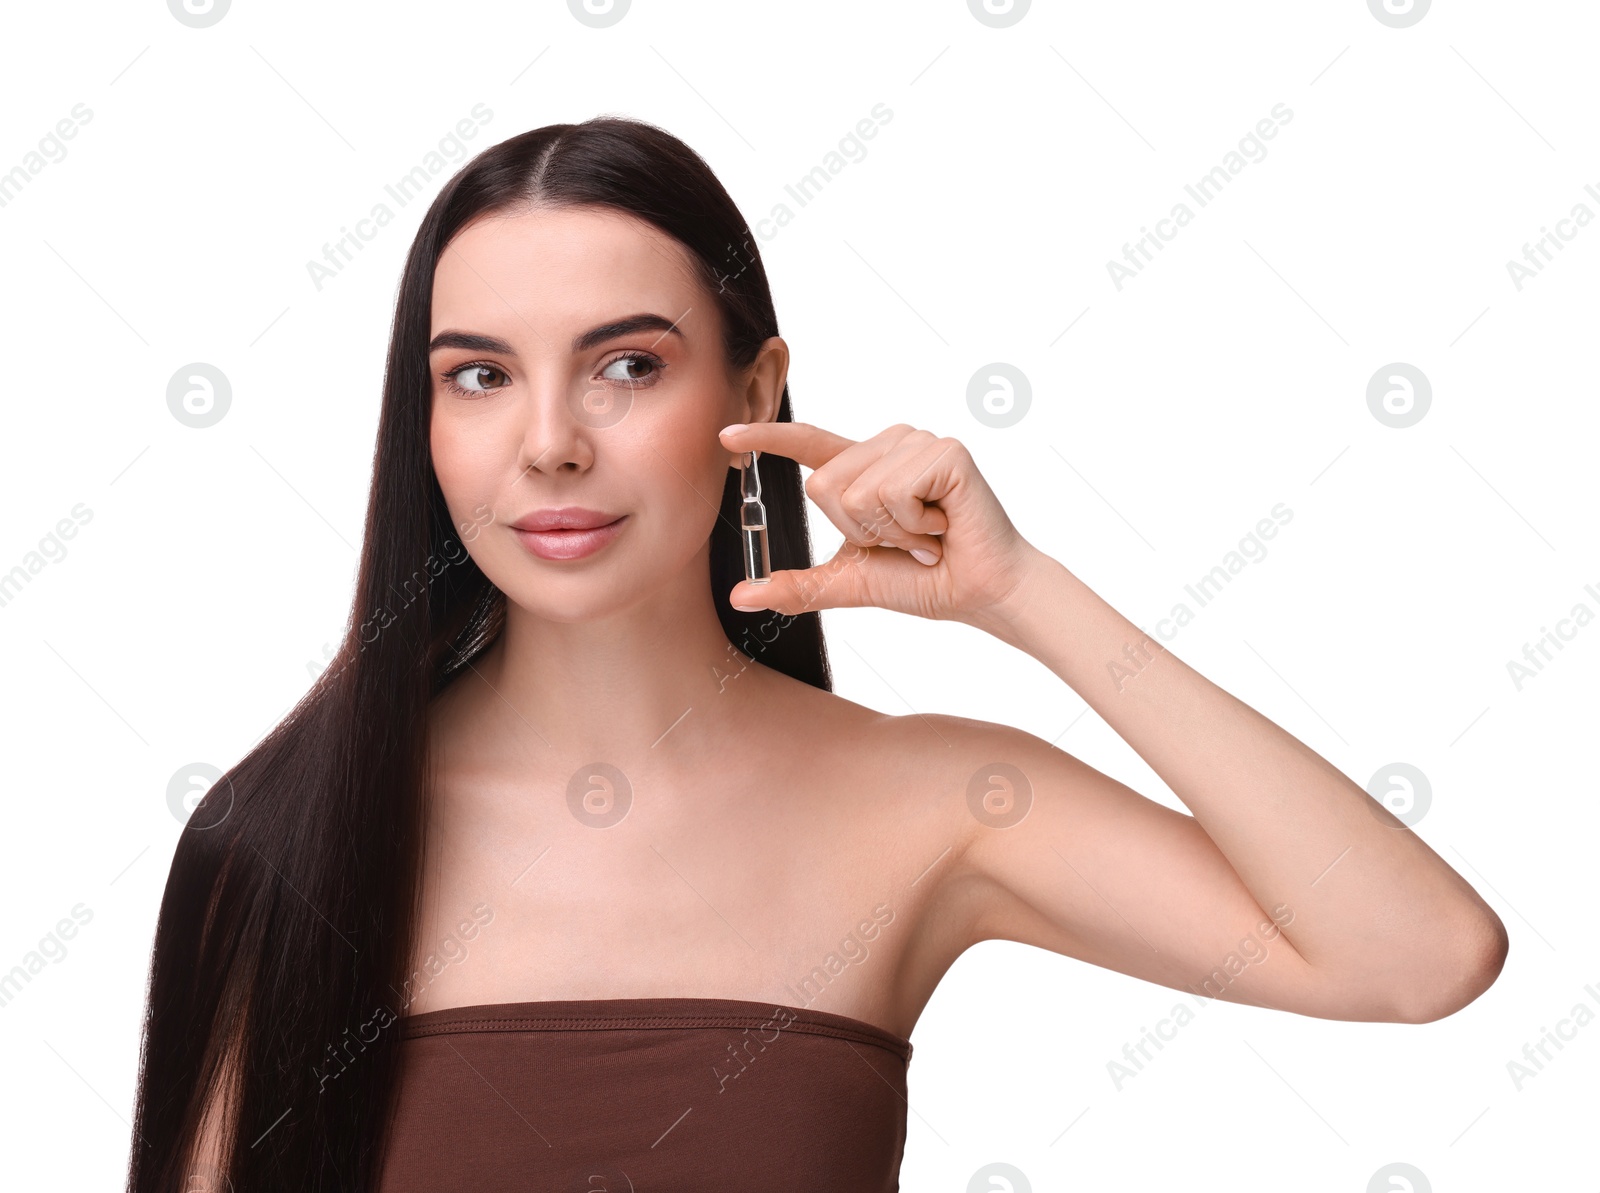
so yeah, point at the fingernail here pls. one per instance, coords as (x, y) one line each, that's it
(732, 428)
(748, 608)
(921, 556)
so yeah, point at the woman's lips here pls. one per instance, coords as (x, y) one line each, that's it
(569, 544)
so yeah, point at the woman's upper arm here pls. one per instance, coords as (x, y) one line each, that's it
(1071, 860)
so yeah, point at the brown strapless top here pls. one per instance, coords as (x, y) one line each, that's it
(646, 1095)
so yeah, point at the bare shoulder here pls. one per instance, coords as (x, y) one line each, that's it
(923, 779)
(971, 774)
(890, 799)
(994, 800)
(937, 783)
(1003, 798)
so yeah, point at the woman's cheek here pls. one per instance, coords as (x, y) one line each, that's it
(470, 528)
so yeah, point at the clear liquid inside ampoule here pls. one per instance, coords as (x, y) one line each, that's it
(757, 566)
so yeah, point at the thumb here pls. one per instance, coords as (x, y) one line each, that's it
(832, 585)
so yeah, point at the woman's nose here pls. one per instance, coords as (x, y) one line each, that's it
(558, 427)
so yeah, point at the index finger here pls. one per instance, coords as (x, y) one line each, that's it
(801, 442)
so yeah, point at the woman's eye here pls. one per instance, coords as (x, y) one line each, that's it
(470, 378)
(629, 370)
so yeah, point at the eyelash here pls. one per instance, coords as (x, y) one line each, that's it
(650, 358)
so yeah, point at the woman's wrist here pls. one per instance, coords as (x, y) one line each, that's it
(1015, 618)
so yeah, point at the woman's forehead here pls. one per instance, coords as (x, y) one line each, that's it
(562, 269)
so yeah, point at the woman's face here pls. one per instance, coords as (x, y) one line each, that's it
(578, 362)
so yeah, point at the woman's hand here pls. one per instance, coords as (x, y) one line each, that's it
(924, 533)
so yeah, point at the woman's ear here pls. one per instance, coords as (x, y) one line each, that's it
(764, 390)
(762, 387)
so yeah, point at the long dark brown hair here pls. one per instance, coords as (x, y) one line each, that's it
(287, 927)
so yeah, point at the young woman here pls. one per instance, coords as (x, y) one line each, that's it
(572, 870)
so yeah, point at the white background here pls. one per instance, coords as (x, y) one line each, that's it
(1167, 418)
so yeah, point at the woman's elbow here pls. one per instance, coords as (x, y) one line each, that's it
(1460, 974)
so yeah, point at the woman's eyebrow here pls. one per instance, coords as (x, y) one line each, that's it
(624, 327)
(473, 342)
